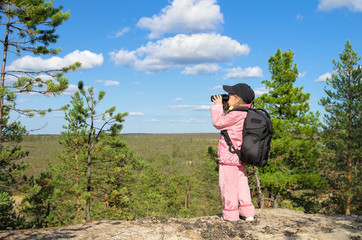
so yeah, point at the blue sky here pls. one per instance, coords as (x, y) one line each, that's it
(161, 60)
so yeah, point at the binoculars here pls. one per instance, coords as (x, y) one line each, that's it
(224, 97)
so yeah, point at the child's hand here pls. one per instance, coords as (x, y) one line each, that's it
(217, 99)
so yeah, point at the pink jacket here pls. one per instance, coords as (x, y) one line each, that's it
(233, 122)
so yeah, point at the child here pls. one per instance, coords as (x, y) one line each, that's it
(233, 180)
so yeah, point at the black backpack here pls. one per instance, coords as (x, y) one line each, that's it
(257, 135)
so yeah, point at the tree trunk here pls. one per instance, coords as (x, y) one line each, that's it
(186, 193)
(89, 187)
(258, 189)
(106, 196)
(5, 53)
(349, 186)
(89, 182)
(275, 202)
(358, 183)
(269, 200)
(78, 184)
(349, 157)
(358, 201)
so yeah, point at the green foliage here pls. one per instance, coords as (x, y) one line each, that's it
(28, 26)
(162, 195)
(113, 171)
(207, 192)
(165, 188)
(11, 171)
(32, 22)
(294, 152)
(342, 130)
(148, 193)
(38, 208)
(94, 170)
(181, 183)
(8, 217)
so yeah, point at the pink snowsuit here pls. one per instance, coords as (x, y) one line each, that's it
(233, 180)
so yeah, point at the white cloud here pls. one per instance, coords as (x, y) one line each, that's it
(180, 107)
(249, 72)
(45, 77)
(178, 99)
(201, 69)
(9, 79)
(59, 115)
(23, 100)
(136, 114)
(302, 74)
(192, 120)
(201, 108)
(181, 50)
(192, 107)
(30, 63)
(329, 5)
(108, 82)
(324, 77)
(260, 91)
(218, 87)
(71, 89)
(122, 32)
(184, 16)
(299, 17)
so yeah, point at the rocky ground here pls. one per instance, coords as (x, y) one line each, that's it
(269, 224)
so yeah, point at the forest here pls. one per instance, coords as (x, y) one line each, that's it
(95, 173)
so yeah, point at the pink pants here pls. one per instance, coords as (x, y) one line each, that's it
(235, 192)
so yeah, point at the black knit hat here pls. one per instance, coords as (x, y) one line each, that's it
(242, 90)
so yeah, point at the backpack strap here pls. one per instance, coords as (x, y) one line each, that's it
(226, 134)
(228, 141)
(241, 108)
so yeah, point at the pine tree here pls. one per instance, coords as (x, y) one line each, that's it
(56, 197)
(113, 168)
(147, 192)
(158, 194)
(8, 218)
(293, 152)
(342, 130)
(73, 140)
(111, 124)
(96, 168)
(27, 27)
